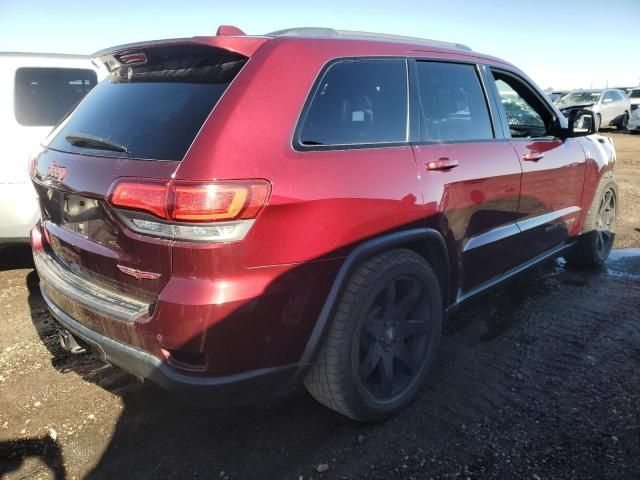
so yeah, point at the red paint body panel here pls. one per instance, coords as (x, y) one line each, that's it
(253, 304)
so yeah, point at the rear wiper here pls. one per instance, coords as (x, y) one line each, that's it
(89, 141)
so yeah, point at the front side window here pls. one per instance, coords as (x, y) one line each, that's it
(526, 114)
(634, 94)
(359, 101)
(453, 103)
(44, 95)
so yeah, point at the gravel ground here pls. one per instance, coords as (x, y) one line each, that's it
(537, 379)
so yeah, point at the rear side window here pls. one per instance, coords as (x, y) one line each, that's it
(151, 108)
(44, 95)
(454, 107)
(357, 102)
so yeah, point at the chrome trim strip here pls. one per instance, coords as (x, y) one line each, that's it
(85, 293)
(519, 226)
(533, 222)
(491, 236)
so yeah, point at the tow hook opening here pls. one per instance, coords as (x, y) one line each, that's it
(187, 361)
(71, 344)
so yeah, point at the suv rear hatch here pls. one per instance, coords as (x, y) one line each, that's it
(135, 127)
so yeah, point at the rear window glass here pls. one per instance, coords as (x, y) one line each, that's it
(152, 107)
(44, 95)
(358, 102)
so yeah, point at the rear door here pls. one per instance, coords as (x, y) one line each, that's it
(553, 169)
(137, 125)
(470, 173)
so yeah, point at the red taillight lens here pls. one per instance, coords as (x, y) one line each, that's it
(218, 201)
(193, 202)
(148, 197)
(207, 203)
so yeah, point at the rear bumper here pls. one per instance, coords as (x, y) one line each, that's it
(99, 318)
(18, 212)
(240, 388)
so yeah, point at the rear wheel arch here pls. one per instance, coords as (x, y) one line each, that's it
(437, 256)
(427, 242)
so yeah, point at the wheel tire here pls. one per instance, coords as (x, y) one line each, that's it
(353, 357)
(624, 121)
(593, 247)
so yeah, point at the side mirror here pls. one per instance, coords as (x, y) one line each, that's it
(581, 123)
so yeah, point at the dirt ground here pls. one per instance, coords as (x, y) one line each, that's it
(538, 379)
(628, 174)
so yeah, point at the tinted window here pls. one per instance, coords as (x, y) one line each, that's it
(44, 95)
(526, 113)
(153, 109)
(453, 104)
(634, 94)
(358, 102)
(609, 95)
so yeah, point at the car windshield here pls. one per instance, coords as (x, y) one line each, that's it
(574, 98)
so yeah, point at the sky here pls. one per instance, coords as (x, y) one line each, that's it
(562, 44)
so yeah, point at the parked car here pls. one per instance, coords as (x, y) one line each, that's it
(610, 106)
(634, 98)
(38, 90)
(230, 216)
(634, 121)
(556, 95)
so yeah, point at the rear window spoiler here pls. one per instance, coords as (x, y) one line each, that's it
(243, 45)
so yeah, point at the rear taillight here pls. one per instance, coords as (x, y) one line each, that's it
(149, 197)
(212, 211)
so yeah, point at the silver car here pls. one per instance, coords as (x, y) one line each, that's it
(610, 106)
(634, 98)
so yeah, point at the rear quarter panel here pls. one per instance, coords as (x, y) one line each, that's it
(322, 202)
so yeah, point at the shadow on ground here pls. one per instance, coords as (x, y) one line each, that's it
(15, 257)
(514, 393)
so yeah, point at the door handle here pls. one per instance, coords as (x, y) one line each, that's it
(532, 156)
(442, 164)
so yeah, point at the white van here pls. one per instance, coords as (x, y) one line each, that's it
(36, 92)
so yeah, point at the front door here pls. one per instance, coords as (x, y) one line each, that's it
(553, 169)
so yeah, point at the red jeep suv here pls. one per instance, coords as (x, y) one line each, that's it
(230, 216)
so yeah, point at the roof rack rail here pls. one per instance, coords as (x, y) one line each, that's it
(355, 35)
